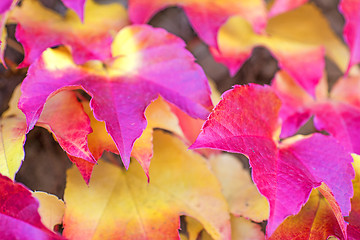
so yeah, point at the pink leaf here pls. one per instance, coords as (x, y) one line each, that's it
(76, 5)
(5, 5)
(351, 13)
(281, 6)
(148, 62)
(19, 216)
(285, 173)
(338, 114)
(206, 17)
(63, 115)
(40, 28)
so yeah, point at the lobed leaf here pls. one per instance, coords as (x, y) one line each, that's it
(299, 50)
(337, 112)
(120, 204)
(148, 62)
(40, 28)
(285, 173)
(62, 116)
(207, 16)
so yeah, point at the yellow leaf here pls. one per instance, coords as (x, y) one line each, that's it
(193, 228)
(51, 209)
(12, 138)
(120, 204)
(243, 229)
(241, 193)
(308, 25)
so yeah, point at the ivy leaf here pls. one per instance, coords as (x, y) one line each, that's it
(40, 28)
(76, 5)
(19, 217)
(132, 208)
(316, 220)
(286, 172)
(337, 112)
(281, 6)
(62, 116)
(206, 17)
(299, 51)
(158, 115)
(148, 62)
(351, 12)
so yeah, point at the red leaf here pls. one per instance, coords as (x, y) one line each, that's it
(64, 116)
(351, 13)
(286, 172)
(206, 17)
(19, 217)
(148, 62)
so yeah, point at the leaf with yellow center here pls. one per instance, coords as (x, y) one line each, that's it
(121, 204)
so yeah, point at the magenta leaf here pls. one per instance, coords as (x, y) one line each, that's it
(285, 173)
(148, 62)
(337, 113)
(5, 5)
(281, 6)
(19, 217)
(206, 17)
(76, 5)
(351, 12)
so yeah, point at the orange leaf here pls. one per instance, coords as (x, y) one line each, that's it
(121, 204)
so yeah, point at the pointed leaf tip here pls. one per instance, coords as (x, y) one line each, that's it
(121, 93)
(286, 172)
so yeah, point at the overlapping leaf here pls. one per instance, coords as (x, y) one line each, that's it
(121, 204)
(238, 189)
(148, 62)
(19, 217)
(299, 50)
(207, 16)
(316, 220)
(158, 115)
(63, 115)
(351, 12)
(281, 6)
(76, 5)
(338, 114)
(286, 172)
(39, 28)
